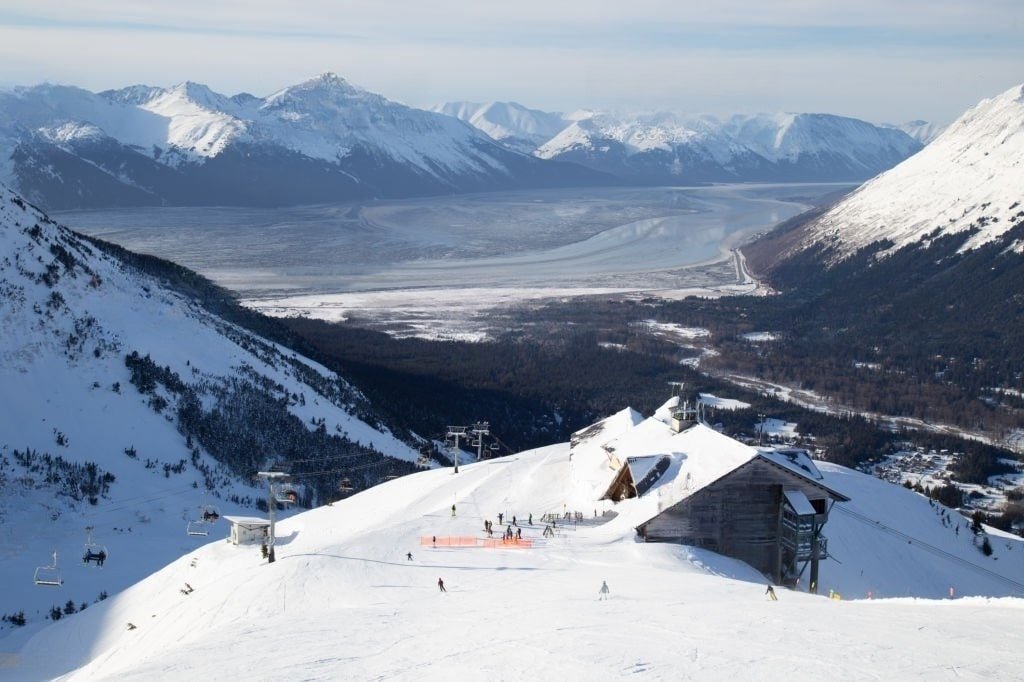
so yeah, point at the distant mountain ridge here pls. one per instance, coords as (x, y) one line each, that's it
(512, 124)
(325, 140)
(922, 131)
(317, 141)
(667, 148)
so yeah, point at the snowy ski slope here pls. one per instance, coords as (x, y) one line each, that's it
(344, 602)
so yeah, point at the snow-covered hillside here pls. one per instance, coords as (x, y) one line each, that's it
(117, 390)
(319, 140)
(970, 178)
(355, 592)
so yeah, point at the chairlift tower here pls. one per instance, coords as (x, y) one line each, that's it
(273, 478)
(456, 432)
(677, 388)
(479, 430)
(682, 414)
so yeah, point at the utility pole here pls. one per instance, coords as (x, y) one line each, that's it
(456, 432)
(760, 431)
(272, 478)
(480, 429)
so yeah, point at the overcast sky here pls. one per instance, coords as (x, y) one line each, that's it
(882, 60)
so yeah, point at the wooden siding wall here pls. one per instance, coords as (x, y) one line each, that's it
(737, 515)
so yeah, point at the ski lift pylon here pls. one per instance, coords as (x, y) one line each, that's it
(48, 575)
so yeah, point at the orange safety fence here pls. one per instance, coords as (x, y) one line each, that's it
(449, 541)
(498, 543)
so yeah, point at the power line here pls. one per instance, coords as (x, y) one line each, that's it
(289, 462)
(131, 502)
(347, 470)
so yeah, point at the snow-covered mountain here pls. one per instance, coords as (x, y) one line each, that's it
(655, 148)
(968, 181)
(512, 124)
(922, 131)
(320, 140)
(784, 147)
(822, 145)
(356, 590)
(665, 147)
(124, 398)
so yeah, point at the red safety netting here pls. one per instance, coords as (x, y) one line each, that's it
(498, 543)
(449, 541)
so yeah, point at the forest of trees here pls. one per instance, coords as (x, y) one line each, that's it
(249, 424)
(85, 481)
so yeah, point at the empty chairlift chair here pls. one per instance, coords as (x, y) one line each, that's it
(48, 575)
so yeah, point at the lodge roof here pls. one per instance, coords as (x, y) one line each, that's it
(698, 456)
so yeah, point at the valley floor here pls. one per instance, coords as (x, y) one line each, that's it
(432, 267)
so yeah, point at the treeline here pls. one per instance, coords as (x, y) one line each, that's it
(532, 391)
(249, 423)
(937, 323)
(79, 481)
(927, 333)
(520, 384)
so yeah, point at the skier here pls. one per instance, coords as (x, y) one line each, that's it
(435, 542)
(604, 592)
(514, 521)
(409, 556)
(453, 511)
(440, 584)
(771, 593)
(500, 515)
(519, 534)
(531, 519)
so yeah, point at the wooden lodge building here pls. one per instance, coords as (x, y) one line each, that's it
(694, 486)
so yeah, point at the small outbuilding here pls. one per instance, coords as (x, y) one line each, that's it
(247, 530)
